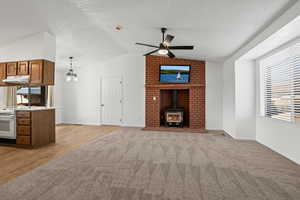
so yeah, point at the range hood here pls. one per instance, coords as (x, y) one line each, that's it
(17, 79)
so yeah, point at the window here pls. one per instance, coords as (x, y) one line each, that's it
(281, 85)
(36, 96)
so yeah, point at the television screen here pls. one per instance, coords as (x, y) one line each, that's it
(174, 74)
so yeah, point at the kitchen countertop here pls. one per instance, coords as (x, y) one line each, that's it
(33, 108)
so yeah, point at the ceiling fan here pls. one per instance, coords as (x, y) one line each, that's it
(164, 47)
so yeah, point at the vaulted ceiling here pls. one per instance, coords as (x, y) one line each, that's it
(85, 28)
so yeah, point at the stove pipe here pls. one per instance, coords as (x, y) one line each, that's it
(174, 98)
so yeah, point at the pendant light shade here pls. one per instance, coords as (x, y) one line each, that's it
(71, 75)
(75, 78)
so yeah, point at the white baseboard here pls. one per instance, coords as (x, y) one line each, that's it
(214, 129)
(133, 125)
(80, 123)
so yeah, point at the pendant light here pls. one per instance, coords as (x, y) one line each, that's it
(71, 75)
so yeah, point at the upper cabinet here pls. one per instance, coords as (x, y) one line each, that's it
(11, 68)
(36, 72)
(23, 68)
(2, 73)
(41, 72)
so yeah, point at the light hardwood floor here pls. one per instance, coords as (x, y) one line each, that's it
(15, 162)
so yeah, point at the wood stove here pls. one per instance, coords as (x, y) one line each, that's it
(174, 115)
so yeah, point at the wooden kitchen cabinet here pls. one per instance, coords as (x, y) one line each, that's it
(23, 68)
(2, 73)
(23, 130)
(36, 72)
(41, 72)
(23, 140)
(11, 69)
(35, 128)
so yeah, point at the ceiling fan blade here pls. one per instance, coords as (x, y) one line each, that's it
(147, 54)
(169, 39)
(181, 47)
(171, 55)
(148, 45)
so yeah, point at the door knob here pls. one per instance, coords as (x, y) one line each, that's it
(102, 105)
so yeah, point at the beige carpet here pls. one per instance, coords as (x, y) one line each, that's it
(131, 164)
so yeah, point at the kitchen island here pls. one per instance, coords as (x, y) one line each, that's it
(35, 126)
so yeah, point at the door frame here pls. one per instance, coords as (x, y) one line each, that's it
(122, 99)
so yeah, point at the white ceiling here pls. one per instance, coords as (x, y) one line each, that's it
(289, 32)
(85, 28)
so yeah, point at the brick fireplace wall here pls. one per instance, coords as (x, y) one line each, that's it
(196, 89)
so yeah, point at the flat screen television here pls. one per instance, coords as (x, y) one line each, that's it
(174, 74)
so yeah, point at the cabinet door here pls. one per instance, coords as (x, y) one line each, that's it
(36, 72)
(11, 69)
(23, 68)
(2, 72)
(48, 72)
(23, 140)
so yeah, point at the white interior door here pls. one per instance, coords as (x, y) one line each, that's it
(111, 100)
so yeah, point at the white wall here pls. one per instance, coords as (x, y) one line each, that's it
(36, 46)
(280, 136)
(283, 137)
(228, 106)
(214, 79)
(239, 100)
(132, 70)
(245, 99)
(81, 100)
(229, 93)
(59, 95)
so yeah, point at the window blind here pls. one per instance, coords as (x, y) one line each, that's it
(281, 78)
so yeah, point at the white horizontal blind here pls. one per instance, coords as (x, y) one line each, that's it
(281, 78)
(296, 82)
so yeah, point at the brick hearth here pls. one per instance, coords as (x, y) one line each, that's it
(196, 93)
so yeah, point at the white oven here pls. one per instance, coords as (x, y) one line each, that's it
(7, 126)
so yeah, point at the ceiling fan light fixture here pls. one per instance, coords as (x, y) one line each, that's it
(164, 47)
(163, 51)
(166, 43)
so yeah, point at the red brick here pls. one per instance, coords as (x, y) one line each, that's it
(194, 92)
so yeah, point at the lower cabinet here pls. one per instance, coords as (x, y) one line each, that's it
(35, 128)
(23, 140)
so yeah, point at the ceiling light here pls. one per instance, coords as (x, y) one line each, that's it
(75, 78)
(165, 43)
(119, 27)
(71, 75)
(163, 51)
